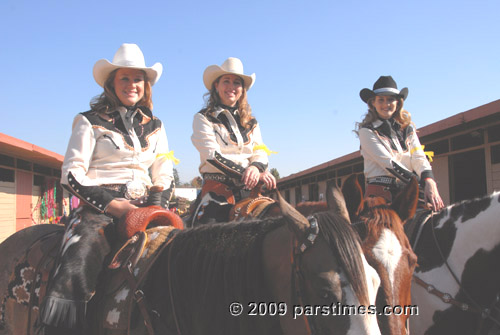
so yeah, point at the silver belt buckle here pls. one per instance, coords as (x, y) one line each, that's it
(135, 190)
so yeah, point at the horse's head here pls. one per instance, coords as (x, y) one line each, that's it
(320, 274)
(386, 246)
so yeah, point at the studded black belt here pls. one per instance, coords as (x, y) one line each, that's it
(131, 190)
(382, 180)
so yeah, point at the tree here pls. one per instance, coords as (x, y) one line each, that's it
(197, 182)
(275, 173)
(176, 177)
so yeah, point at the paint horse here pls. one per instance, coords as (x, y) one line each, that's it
(384, 243)
(287, 275)
(458, 273)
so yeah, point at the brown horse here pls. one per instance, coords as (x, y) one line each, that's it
(385, 245)
(285, 275)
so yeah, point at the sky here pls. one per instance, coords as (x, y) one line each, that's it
(311, 58)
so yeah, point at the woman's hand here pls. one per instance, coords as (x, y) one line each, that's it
(268, 179)
(432, 195)
(251, 177)
(119, 207)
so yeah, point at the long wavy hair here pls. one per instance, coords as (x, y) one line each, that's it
(401, 115)
(108, 99)
(212, 99)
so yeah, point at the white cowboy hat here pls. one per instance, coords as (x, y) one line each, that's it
(127, 56)
(231, 65)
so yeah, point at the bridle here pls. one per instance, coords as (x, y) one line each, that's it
(298, 282)
(473, 306)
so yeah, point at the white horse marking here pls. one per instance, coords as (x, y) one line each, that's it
(367, 323)
(388, 252)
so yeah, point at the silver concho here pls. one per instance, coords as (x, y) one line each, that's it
(135, 190)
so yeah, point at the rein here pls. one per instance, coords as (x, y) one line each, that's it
(139, 296)
(299, 248)
(473, 307)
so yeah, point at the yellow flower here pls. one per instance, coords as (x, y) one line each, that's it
(265, 148)
(170, 156)
(429, 154)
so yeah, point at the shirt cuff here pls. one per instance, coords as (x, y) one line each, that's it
(426, 174)
(94, 196)
(261, 166)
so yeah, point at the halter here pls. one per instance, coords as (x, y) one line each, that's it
(473, 307)
(299, 248)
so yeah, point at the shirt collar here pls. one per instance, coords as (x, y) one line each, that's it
(219, 109)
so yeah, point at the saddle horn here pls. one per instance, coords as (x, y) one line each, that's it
(139, 219)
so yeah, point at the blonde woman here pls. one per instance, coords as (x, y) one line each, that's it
(390, 146)
(233, 157)
(116, 160)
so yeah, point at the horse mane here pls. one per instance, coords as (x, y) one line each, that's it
(212, 266)
(377, 215)
(346, 247)
(469, 208)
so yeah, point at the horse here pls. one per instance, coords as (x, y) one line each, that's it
(384, 243)
(458, 273)
(287, 275)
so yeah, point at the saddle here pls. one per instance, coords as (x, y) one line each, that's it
(136, 220)
(121, 289)
(255, 206)
(28, 282)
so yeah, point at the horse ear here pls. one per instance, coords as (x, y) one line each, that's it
(295, 220)
(353, 195)
(335, 200)
(361, 181)
(405, 203)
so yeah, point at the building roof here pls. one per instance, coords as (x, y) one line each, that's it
(437, 129)
(20, 149)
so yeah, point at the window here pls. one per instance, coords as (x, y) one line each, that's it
(495, 154)
(298, 194)
(7, 161)
(42, 169)
(23, 165)
(7, 175)
(344, 171)
(287, 196)
(439, 147)
(313, 192)
(39, 180)
(494, 133)
(322, 177)
(358, 168)
(472, 139)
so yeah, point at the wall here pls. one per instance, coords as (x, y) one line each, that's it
(7, 209)
(188, 193)
(440, 170)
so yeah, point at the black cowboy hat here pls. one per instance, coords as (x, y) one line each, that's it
(385, 85)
